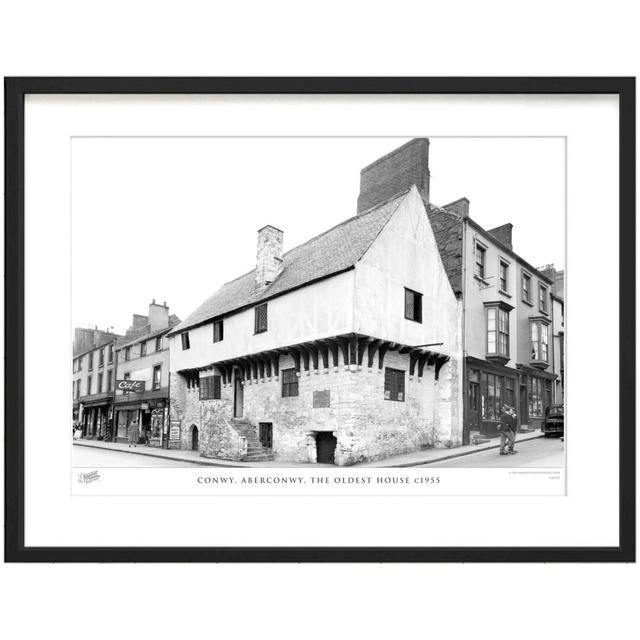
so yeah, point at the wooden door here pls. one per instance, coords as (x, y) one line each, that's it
(237, 396)
(266, 434)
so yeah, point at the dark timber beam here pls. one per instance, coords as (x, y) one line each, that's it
(384, 347)
(323, 349)
(439, 362)
(344, 347)
(353, 349)
(371, 352)
(333, 347)
(313, 352)
(296, 359)
(362, 347)
(413, 359)
(305, 357)
(422, 360)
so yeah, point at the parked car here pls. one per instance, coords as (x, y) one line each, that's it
(553, 424)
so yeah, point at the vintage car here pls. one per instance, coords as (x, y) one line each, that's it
(553, 424)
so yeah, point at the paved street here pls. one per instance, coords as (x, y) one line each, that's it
(91, 457)
(541, 452)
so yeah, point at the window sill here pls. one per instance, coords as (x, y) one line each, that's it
(504, 293)
(546, 313)
(539, 364)
(482, 280)
(527, 302)
(413, 320)
(494, 357)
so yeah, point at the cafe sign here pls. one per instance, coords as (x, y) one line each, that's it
(136, 386)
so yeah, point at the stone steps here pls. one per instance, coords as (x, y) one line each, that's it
(255, 451)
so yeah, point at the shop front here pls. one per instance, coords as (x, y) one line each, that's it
(149, 416)
(95, 419)
(490, 386)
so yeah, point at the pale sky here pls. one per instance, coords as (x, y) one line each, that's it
(175, 218)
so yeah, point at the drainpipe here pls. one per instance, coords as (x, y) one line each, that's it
(464, 329)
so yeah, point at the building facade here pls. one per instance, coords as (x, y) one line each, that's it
(343, 350)
(141, 391)
(512, 320)
(93, 382)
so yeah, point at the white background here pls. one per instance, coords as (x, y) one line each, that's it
(54, 517)
(154, 197)
(369, 38)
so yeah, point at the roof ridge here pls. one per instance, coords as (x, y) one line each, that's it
(339, 224)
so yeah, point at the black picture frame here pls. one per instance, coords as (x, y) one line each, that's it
(15, 91)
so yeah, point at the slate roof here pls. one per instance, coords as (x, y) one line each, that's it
(330, 253)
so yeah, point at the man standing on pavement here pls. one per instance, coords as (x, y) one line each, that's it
(507, 431)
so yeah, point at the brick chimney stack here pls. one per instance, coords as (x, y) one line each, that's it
(394, 174)
(269, 258)
(504, 234)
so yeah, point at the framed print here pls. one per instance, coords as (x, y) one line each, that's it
(320, 319)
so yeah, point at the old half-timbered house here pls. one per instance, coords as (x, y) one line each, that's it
(344, 349)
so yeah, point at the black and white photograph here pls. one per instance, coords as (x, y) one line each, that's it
(318, 302)
(343, 313)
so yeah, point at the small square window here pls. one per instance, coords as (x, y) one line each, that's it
(186, 343)
(159, 343)
(261, 319)
(218, 331)
(127, 353)
(143, 349)
(393, 384)
(412, 305)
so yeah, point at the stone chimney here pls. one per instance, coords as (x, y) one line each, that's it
(269, 258)
(503, 234)
(459, 207)
(158, 316)
(556, 277)
(394, 174)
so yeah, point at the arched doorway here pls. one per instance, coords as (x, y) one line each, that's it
(194, 438)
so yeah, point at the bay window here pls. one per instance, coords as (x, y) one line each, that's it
(498, 331)
(539, 332)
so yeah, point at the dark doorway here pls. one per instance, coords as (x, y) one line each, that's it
(194, 438)
(145, 426)
(523, 414)
(326, 447)
(266, 434)
(473, 417)
(237, 395)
